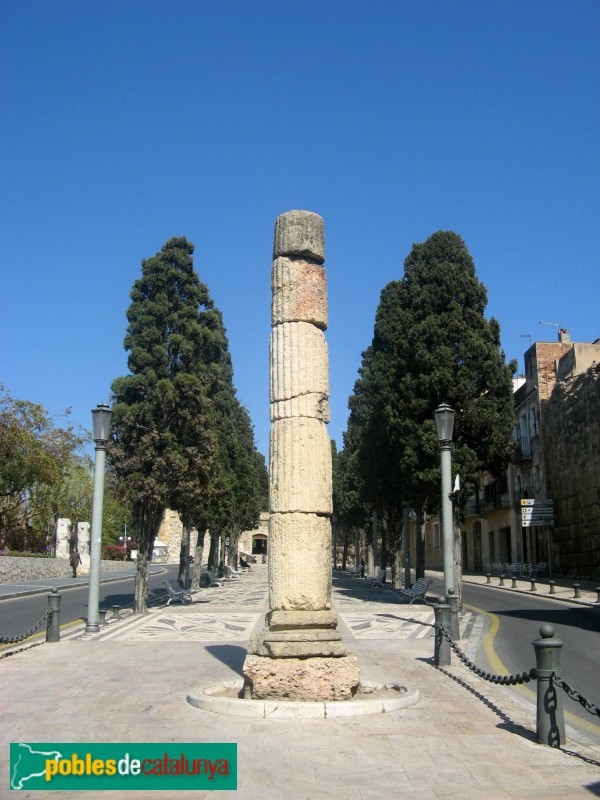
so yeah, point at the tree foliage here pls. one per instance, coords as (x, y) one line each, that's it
(169, 448)
(37, 460)
(431, 344)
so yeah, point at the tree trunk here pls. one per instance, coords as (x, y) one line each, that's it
(213, 553)
(197, 570)
(148, 531)
(420, 544)
(345, 550)
(184, 553)
(232, 553)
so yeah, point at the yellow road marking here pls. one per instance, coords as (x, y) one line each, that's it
(498, 666)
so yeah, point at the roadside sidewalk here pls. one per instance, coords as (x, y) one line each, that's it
(563, 589)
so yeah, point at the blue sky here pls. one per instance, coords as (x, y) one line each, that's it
(126, 123)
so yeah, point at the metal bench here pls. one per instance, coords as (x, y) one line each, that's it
(378, 581)
(176, 592)
(418, 591)
(212, 579)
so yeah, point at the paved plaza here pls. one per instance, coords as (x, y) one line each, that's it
(465, 738)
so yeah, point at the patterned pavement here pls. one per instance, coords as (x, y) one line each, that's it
(232, 612)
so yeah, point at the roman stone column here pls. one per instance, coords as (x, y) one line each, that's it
(63, 537)
(299, 654)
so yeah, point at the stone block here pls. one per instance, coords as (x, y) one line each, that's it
(307, 679)
(299, 292)
(299, 562)
(300, 466)
(299, 361)
(309, 649)
(300, 233)
(308, 405)
(290, 620)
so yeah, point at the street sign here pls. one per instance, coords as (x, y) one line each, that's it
(536, 513)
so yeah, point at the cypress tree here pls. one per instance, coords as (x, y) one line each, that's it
(163, 445)
(431, 344)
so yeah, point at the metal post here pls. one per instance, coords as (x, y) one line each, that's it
(447, 532)
(550, 727)
(514, 583)
(406, 546)
(102, 616)
(116, 612)
(533, 589)
(53, 626)
(93, 625)
(442, 645)
(597, 590)
(452, 601)
(576, 587)
(551, 590)
(501, 582)
(488, 577)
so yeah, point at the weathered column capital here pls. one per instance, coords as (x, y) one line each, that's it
(300, 233)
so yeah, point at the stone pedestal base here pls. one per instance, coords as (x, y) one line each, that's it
(316, 679)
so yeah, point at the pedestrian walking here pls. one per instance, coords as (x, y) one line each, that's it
(75, 561)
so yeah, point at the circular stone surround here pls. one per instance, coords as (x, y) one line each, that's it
(222, 699)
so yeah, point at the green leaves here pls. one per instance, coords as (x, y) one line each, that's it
(431, 344)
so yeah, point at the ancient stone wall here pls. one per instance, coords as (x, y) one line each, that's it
(572, 442)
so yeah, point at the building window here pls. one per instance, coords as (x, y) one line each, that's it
(436, 535)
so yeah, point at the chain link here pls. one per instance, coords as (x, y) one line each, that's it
(575, 695)
(4, 640)
(504, 680)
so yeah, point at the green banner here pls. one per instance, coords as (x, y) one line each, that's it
(119, 766)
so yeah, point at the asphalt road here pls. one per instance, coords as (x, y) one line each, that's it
(17, 615)
(514, 622)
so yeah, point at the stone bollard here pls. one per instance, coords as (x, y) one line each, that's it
(53, 626)
(452, 601)
(488, 577)
(552, 589)
(116, 612)
(501, 582)
(597, 590)
(514, 583)
(550, 726)
(533, 588)
(102, 616)
(576, 587)
(441, 656)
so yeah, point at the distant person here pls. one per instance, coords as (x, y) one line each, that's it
(75, 561)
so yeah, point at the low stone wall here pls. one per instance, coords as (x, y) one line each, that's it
(14, 569)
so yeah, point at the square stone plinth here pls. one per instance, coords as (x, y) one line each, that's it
(310, 679)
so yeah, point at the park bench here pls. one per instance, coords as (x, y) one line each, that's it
(212, 579)
(378, 581)
(418, 591)
(176, 592)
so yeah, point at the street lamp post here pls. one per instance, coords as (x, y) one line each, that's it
(101, 417)
(444, 421)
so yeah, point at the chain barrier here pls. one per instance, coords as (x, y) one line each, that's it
(523, 677)
(504, 680)
(17, 639)
(575, 695)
